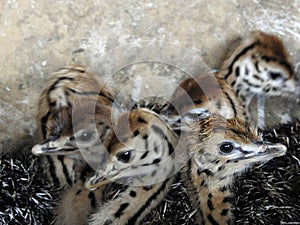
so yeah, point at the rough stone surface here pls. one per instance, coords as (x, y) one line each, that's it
(113, 38)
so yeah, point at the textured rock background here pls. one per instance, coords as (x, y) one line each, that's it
(38, 37)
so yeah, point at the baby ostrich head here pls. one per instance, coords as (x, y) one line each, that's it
(225, 147)
(219, 150)
(83, 130)
(67, 85)
(144, 151)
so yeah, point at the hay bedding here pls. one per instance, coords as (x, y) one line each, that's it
(268, 194)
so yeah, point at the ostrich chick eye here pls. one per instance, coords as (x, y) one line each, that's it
(275, 75)
(86, 136)
(124, 156)
(226, 148)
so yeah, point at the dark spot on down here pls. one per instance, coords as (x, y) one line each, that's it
(221, 168)
(171, 149)
(215, 161)
(223, 189)
(227, 199)
(212, 220)
(132, 194)
(203, 183)
(237, 71)
(155, 161)
(210, 204)
(144, 155)
(224, 212)
(93, 199)
(136, 133)
(145, 137)
(141, 120)
(121, 209)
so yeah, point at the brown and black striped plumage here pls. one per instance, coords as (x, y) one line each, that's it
(74, 122)
(259, 66)
(67, 86)
(145, 156)
(219, 149)
(64, 86)
(208, 92)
